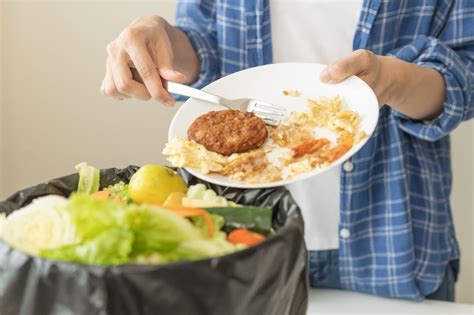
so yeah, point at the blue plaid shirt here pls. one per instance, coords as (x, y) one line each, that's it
(395, 202)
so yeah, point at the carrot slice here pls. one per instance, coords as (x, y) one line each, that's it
(194, 212)
(244, 236)
(101, 195)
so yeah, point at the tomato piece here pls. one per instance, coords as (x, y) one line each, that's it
(308, 147)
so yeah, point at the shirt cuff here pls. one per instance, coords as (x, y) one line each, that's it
(430, 53)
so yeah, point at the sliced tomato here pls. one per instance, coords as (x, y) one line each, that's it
(309, 147)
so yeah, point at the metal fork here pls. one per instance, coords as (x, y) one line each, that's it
(272, 115)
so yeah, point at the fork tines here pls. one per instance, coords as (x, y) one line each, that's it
(270, 114)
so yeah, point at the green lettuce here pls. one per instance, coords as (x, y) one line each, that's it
(91, 216)
(89, 178)
(109, 233)
(111, 247)
(131, 230)
(158, 230)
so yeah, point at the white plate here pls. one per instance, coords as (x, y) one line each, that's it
(266, 83)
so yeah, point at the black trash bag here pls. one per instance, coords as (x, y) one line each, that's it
(270, 278)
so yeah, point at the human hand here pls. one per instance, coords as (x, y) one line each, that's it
(145, 45)
(413, 90)
(367, 66)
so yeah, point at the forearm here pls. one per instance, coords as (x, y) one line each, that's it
(417, 92)
(185, 59)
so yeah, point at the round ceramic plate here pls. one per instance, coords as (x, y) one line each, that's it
(266, 83)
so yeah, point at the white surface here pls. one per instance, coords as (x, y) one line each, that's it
(318, 31)
(321, 215)
(325, 301)
(266, 83)
(52, 64)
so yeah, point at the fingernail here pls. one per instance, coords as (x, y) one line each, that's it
(169, 103)
(324, 76)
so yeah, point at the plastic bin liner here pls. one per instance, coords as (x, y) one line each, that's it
(270, 278)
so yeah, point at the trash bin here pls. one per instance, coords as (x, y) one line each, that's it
(270, 278)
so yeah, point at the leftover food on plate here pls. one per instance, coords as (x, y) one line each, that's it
(228, 131)
(153, 219)
(303, 142)
(291, 93)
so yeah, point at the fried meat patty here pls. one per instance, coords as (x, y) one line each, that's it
(228, 131)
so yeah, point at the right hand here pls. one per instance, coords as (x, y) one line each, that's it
(145, 44)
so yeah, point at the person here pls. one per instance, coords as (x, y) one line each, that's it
(387, 229)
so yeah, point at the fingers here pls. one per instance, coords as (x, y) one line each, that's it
(357, 63)
(108, 87)
(124, 80)
(145, 45)
(148, 72)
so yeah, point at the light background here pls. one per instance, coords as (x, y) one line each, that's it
(52, 115)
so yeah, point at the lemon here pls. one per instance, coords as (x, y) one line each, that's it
(153, 183)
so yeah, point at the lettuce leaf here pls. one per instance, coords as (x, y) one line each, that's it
(89, 178)
(153, 229)
(41, 224)
(107, 232)
(91, 216)
(111, 247)
(157, 229)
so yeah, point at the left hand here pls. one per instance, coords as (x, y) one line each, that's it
(415, 91)
(366, 65)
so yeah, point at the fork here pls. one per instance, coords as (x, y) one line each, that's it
(272, 115)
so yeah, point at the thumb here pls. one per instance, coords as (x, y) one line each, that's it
(334, 73)
(357, 62)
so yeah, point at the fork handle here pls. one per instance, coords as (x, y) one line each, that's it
(185, 90)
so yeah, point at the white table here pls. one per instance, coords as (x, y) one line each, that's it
(325, 301)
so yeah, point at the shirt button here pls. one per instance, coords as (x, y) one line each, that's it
(345, 233)
(348, 166)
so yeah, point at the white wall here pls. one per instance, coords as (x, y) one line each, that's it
(55, 117)
(463, 206)
(54, 114)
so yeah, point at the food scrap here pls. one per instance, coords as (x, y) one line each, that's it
(293, 93)
(301, 146)
(153, 219)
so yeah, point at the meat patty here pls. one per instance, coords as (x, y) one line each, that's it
(228, 131)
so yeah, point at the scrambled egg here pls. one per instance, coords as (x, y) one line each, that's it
(186, 153)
